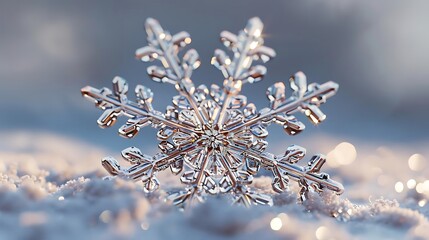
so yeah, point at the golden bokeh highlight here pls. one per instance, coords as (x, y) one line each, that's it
(417, 162)
(343, 154)
(276, 224)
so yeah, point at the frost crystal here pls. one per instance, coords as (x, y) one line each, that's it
(212, 136)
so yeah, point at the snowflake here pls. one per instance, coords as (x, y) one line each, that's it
(213, 137)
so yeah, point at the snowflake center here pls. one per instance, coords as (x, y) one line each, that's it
(212, 138)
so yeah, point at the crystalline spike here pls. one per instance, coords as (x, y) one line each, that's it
(291, 125)
(225, 184)
(238, 102)
(280, 184)
(255, 74)
(133, 126)
(216, 92)
(222, 62)
(254, 27)
(191, 59)
(233, 117)
(148, 54)
(180, 198)
(187, 117)
(210, 185)
(166, 147)
(201, 93)
(165, 133)
(298, 83)
(186, 85)
(151, 185)
(244, 177)
(252, 166)
(181, 39)
(181, 139)
(189, 177)
(259, 145)
(228, 39)
(120, 86)
(316, 163)
(177, 166)
(314, 113)
(276, 94)
(213, 138)
(180, 102)
(263, 53)
(294, 153)
(134, 155)
(153, 29)
(259, 131)
(191, 62)
(250, 110)
(158, 74)
(144, 94)
(210, 109)
(111, 165)
(232, 87)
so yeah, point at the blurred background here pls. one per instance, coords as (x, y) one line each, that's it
(376, 134)
(377, 52)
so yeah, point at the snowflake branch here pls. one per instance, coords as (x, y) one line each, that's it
(198, 177)
(246, 197)
(308, 102)
(145, 167)
(164, 47)
(283, 166)
(116, 104)
(248, 46)
(230, 172)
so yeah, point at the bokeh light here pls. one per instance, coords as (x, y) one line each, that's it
(343, 154)
(144, 225)
(322, 233)
(276, 224)
(399, 187)
(105, 216)
(411, 184)
(417, 162)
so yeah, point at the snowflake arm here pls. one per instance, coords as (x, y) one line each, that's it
(116, 104)
(164, 47)
(306, 100)
(145, 167)
(247, 47)
(285, 168)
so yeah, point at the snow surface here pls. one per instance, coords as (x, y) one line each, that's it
(52, 187)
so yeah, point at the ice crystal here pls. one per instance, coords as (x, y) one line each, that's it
(211, 136)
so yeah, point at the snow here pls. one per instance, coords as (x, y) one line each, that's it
(52, 187)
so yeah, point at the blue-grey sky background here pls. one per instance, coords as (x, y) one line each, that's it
(376, 50)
